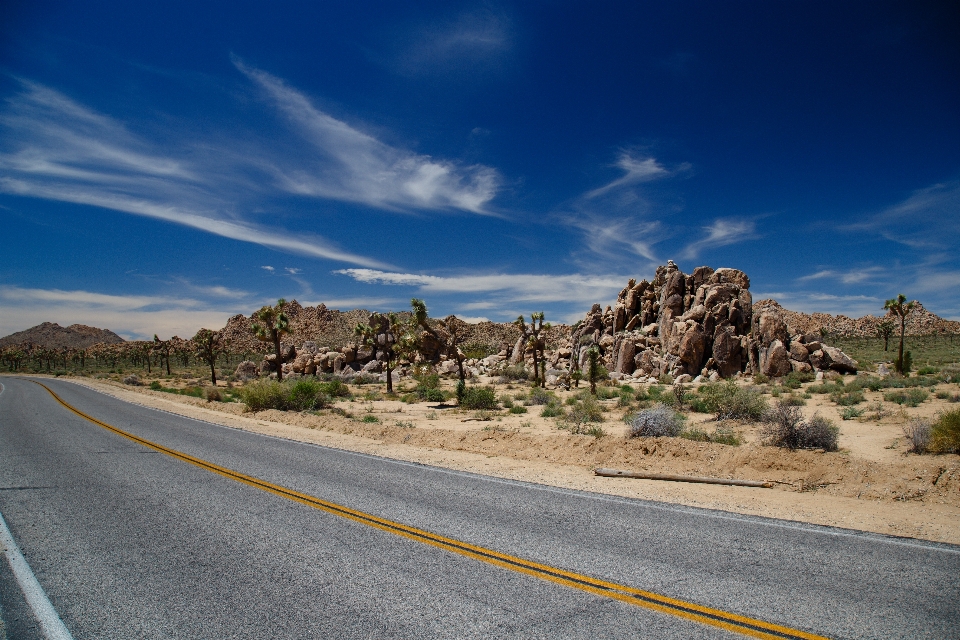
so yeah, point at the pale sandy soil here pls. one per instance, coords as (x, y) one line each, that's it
(871, 484)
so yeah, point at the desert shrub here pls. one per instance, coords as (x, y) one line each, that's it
(263, 394)
(760, 379)
(849, 413)
(793, 400)
(697, 403)
(654, 392)
(304, 394)
(909, 397)
(478, 350)
(212, 394)
(518, 408)
(506, 401)
(665, 379)
(428, 388)
(335, 389)
(156, 386)
(515, 372)
(659, 420)
(431, 395)
(719, 436)
(945, 433)
(848, 399)
(363, 378)
(625, 398)
(917, 432)
(826, 387)
(478, 398)
(586, 409)
(927, 370)
(552, 410)
(784, 426)
(595, 430)
(370, 419)
(539, 396)
(132, 379)
(795, 379)
(731, 402)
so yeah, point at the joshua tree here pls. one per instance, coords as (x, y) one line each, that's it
(163, 349)
(884, 331)
(593, 368)
(449, 337)
(210, 345)
(382, 333)
(272, 323)
(536, 342)
(901, 308)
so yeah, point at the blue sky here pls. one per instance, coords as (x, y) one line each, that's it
(166, 165)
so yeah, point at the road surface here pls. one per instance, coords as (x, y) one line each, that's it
(130, 541)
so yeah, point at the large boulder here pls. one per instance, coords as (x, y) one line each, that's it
(727, 352)
(247, 370)
(839, 361)
(625, 363)
(770, 327)
(692, 347)
(775, 360)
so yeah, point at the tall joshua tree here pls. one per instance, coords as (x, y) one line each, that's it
(381, 334)
(272, 323)
(210, 345)
(534, 340)
(901, 308)
(449, 337)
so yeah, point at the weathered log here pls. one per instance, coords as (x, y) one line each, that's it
(617, 473)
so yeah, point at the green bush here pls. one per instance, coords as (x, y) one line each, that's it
(506, 401)
(848, 399)
(301, 394)
(263, 394)
(795, 379)
(518, 408)
(585, 410)
(850, 413)
(731, 402)
(719, 436)
(909, 397)
(945, 433)
(156, 386)
(793, 400)
(370, 419)
(539, 396)
(478, 350)
(552, 410)
(925, 371)
(478, 398)
(515, 372)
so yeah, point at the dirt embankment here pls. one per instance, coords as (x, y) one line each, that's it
(872, 484)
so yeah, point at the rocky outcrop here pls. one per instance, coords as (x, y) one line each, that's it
(920, 322)
(50, 335)
(698, 324)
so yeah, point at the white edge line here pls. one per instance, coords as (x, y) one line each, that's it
(582, 493)
(51, 624)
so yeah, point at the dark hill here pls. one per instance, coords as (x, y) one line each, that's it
(51, 335)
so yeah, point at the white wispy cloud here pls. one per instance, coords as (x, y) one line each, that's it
(528, 288)
(849, 276)
(57, 149)
(131, 316)
(929, 218)
(636, 170)
(350, 165)
(720, 233)
(609, 236)
(267, 267)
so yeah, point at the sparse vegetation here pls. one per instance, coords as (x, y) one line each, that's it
(478, 398)
(300, 394)
(908, 397)
(731, 402)
(784, 426)
(657, 421)
(945, 433)
(917, 432)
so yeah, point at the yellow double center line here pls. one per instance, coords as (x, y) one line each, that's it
(657, 602)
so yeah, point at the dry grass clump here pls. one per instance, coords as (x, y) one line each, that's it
(917, 432)
(657, 421)
(784, 426)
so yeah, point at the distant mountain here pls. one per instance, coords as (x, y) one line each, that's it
(51, 335)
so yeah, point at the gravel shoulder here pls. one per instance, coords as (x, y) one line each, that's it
(872, 484)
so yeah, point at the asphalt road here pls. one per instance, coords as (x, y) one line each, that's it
(130, 543)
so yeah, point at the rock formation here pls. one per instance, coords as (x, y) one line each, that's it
(699, 324)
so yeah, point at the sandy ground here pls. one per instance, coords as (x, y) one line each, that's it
(871, 484)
